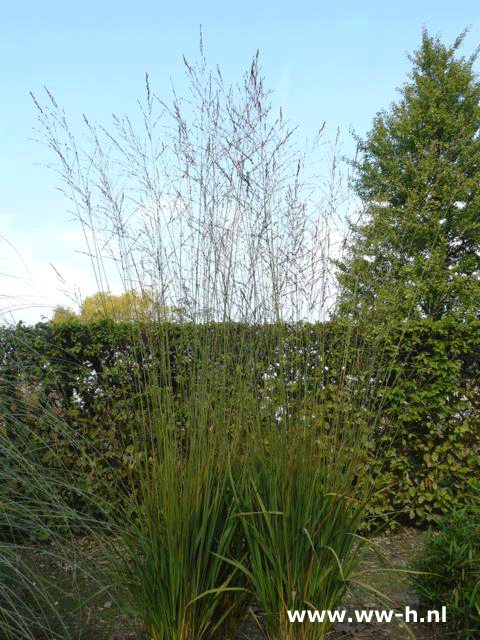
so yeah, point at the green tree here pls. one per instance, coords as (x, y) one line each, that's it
(62, 315)
(416, 250)
(131, 306)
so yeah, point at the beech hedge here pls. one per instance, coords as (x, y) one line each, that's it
(83, 390)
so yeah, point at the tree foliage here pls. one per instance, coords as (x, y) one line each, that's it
(62, 315)
(131, 306)
(416, 251)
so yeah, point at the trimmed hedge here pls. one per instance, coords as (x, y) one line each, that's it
(429, 448)
(416, 391)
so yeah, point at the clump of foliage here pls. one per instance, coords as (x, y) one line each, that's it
(450, 572)
(427, 442)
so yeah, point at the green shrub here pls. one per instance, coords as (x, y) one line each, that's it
(451, 572)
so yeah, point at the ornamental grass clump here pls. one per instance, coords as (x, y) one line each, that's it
(301, 535)
(251, 442)
(28, 509)
(301, 493)
(179, 553)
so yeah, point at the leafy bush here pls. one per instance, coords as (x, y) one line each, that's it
(451, 566)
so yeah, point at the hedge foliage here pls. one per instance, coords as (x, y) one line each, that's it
(415, 388)
(431, 444)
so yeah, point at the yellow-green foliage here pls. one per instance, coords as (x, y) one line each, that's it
(131, 306)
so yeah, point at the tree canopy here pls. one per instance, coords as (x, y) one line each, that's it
(416, 250)
(131, 306)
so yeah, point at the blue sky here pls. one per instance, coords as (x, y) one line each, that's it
(338, 63)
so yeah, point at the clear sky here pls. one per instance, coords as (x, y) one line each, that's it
(334, 62)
